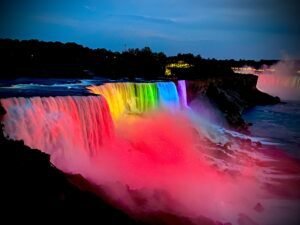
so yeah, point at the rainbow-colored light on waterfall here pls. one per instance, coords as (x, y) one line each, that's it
(134, 98)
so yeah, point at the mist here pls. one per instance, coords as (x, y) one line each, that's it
(158, 162)
(282, 80)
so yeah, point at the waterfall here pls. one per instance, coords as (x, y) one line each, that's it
(59, 123)
(182, 93)
(120, 97)
(286, 87)
(84, 123)
(174, 162)
(135, 98)
(74, 123)
(168, 96)
(146, 96)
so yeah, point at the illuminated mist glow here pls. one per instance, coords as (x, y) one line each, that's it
(281, 79)
(285, 86)
(156, 161)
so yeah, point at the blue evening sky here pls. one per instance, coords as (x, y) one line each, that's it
(249, 29)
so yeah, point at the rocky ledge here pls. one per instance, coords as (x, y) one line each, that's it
(232, 95)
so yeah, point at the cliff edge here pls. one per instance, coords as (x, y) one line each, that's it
(231, 95)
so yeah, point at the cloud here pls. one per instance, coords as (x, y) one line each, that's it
(143, 18)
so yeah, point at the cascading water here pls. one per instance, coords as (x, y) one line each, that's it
(160, 157)
(281, 79)
(59, 124)
(137, 97)
(121, 97)
(181, 87)
(168, 97)
(146, 96)
(285, 86)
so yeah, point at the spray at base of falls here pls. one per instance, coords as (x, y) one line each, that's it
(281, 79)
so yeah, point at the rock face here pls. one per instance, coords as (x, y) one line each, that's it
(231, 95)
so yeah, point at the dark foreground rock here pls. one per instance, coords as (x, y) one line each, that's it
(232, 95)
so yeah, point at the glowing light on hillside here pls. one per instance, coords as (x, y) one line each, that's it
(251, 70)
(178, 65)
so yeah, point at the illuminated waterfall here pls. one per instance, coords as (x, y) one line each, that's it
(120, 97)
(165, 159)
(82, 123)
(168, 96)
(146, 96)
(129, 98)
(59, 123)
(182, 93)
(287, 87)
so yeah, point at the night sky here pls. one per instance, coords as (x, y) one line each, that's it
(248, 29)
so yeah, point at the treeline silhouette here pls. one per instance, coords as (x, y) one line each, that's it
(33, 58)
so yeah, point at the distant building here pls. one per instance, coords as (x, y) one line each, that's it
(251, 70)
(179, 65)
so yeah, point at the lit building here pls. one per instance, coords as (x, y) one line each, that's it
(251, 70)
(179, 65)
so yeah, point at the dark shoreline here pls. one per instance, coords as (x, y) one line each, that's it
(39, 59)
